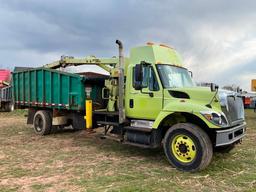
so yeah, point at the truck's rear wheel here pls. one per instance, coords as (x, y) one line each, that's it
(187, 147)
(78, 122)
(42, 122)
(10, 107)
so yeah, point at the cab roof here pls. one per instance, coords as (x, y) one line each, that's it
(155, 54)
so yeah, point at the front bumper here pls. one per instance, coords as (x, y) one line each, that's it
(230, 135)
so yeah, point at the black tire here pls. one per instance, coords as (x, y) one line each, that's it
(78, 122)
(225, 149)
(6, 107)
(10, 107)
(178, 151)
(42, 122)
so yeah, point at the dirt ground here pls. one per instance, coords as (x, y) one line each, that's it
(75, 161)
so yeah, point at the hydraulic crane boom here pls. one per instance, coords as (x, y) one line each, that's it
(107, 64)
(115, 66)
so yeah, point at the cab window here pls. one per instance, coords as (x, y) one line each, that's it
(149, 78)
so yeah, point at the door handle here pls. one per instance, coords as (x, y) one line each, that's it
(131, 103)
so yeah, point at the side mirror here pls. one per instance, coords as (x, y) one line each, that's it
(138, 85)
(214, 87)
(191, 73)
(138, 73)
(238, 90)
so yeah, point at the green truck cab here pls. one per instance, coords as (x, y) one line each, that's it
(192, 121)
(151, 101)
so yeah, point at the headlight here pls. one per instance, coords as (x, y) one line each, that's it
(215, 118)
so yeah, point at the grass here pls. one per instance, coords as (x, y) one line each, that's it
(74, 161)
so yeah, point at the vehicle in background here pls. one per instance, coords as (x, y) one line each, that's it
(5, 77)
(249, 100)
(6, 103)
(149, 100)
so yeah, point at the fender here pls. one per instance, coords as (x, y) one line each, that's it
(187, 107)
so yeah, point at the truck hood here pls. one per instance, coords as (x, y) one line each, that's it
(190, 99)
(203, 94)
(197, 99)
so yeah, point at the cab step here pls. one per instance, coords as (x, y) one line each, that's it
(141, 129)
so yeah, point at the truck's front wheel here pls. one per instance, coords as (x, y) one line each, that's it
(42, 122)
(187, 147)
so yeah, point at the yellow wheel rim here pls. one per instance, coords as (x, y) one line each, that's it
(183, 148)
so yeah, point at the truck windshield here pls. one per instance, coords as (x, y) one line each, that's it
(172, 76)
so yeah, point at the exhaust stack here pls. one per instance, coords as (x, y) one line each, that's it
(121, 82)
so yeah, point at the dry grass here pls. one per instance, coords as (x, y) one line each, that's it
(74, 161)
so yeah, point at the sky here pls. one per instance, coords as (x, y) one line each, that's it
(216, 39)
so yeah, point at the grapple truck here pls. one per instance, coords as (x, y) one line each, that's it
(149, 100)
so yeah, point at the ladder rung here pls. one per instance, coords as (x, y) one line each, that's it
(108, 123)
(105, 112)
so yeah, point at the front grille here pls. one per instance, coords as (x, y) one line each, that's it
(234, 110)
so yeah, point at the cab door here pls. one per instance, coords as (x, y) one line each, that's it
(147, 102)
